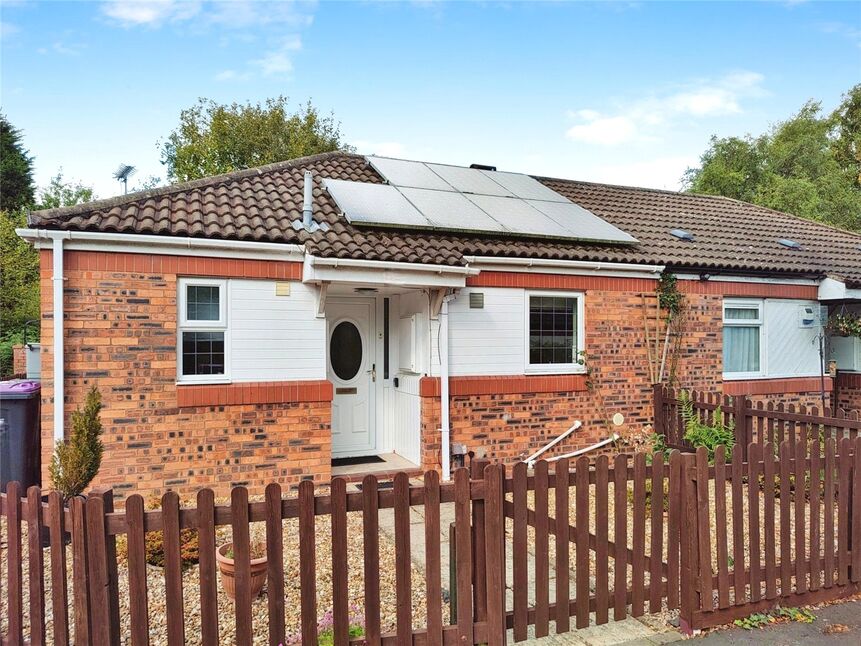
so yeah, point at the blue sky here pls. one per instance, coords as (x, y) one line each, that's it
(626, 93)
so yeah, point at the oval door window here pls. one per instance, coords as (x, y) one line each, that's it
(345, 350)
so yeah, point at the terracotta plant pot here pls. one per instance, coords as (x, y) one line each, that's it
(227, 569)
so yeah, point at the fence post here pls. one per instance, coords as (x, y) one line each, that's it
(658, 405)
(689, 541)
(494, 549)
(740, 414)
(107, 496)
(479, 555)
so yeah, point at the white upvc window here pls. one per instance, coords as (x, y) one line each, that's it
(743, 338)
(554, 332)
(203, 350)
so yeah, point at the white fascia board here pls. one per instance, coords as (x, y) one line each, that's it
(376, 272)
(163, 245)
(831, 289)
(574, 267)
(765, 280)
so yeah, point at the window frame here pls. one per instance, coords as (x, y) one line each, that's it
(759, 322)
(556, 368)
(186, 325)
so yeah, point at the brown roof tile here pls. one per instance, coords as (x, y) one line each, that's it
(260, 205)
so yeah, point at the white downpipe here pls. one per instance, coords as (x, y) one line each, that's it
(597, 445)
(530, 461)
(445, 424)
(57, 279)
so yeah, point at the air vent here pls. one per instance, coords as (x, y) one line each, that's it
(482, 167)
(789, 244)
(681, 234)
(476, 300)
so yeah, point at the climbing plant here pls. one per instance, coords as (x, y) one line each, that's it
(665, 330)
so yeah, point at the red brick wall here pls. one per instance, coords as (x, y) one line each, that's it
(121, 336)
(19, 361)
(849, 391)
(510, 426)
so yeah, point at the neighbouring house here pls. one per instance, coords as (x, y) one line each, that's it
(255, 326)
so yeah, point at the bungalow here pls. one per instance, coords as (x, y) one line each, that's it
(283, 322)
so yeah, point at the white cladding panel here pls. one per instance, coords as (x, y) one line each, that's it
(791, 350)
(487, 341)
(274, 338)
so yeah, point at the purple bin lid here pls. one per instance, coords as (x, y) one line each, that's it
(19, 387)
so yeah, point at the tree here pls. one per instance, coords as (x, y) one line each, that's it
(213, 138)
(76, 461)
(808, 165)
(59, 193)
(16, 169)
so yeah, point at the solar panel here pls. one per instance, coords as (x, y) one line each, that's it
(399, 172)
(380, 204)
(451, 211)
(524, 186)
(469, 180)
(581, 223)
(518, 217)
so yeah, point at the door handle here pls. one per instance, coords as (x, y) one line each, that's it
(373, 372)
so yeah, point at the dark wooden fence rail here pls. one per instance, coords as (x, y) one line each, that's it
(707, 554)
(753, 423)
(815, 488)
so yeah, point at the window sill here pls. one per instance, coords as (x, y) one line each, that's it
(559, 369)
(204, 382)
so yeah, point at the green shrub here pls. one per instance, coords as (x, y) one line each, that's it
(189, 542)
(699, 433)
(76, 461)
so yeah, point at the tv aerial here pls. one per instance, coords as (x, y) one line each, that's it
(122, 175)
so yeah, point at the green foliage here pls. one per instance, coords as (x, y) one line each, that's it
(19, 276)
(16, 169)
(76, 461)
(189, 543)
(700, 433)
(808, 165)
(778, 615)
(327, 637)
(848, 324)
(213, 138)
(60, 193)
(669, 296)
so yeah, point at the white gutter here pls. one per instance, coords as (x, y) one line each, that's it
(445, 422)
(170, 245)
(567, 266)
(350, 263)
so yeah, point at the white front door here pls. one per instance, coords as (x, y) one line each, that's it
(351, 369)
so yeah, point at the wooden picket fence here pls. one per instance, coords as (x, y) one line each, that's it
(753, 423)
(625, 536)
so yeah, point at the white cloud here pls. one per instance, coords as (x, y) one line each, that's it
(230, 75)
(382, 148)
(59, 47)
(608, 131)
(643, 119)
(8, 29)
(153, 13)
(279, 61)
(661, 172)
(232, 14)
